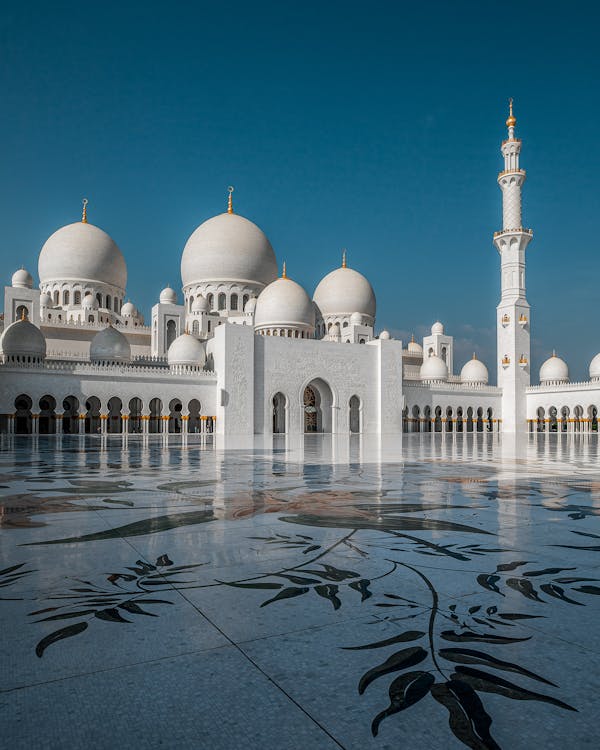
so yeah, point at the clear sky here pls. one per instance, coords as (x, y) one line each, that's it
(374, 126)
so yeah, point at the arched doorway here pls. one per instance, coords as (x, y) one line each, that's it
(194, 416)
(114, 415)
(47, 417)
(317, 402)
(354, 406)
(279, 404)
(135, 415)
(427, 419)
(479, 419)
(459, 419)
(23, 406)
(541, 422)
(553, 422)
(469, 419)
(175, 409)
(437, 425)
(416, 419)
(92, 416)
(154, 423)
(70, 420)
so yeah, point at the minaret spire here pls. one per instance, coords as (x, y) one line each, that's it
(84, 211)
(344, 264)
(230, 190)
(283, 271)
(513, 322)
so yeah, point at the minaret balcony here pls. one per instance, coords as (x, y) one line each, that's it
(512, 171)
(505, 320)
(523, 362)
(520, 230)
(505, 361)
(522, 320)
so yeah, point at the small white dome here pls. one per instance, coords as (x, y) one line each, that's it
(90, 302)
(595, 368)
(554, 370)
(250, 305)
(413, 347)
(186, 350)
(110, 345)
(22, 278)
(23, 339)
(200, 304)
(475, 372)
(168, 296)
(385, 335)
(82, 252)
(343, 292)
(356, 319)
(228, 247)
(284, 303)
(129, 310)
(46, 300)
(437, 328)
(433, 369)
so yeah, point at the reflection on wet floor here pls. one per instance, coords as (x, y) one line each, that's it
(440, 591)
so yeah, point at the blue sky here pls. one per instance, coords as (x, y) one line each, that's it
(372, 126)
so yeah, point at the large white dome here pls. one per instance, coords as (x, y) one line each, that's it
(82, 252)
(186, 350)
(595, 368)
(23, 339)
(474, 372)
(228, 247)
(554, 370)
(343, 292)
(433, 369)
(284, 303)
(110, 345)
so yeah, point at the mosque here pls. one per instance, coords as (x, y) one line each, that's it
(244, 350)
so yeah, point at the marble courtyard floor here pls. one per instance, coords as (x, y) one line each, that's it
(430, 592)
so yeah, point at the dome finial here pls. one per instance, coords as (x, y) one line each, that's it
(24, 313)
(412, 338)
(474, 355)
(84, 212)
(554, 352)
(512, 120)
(230, 190)
(344, 264)
(283, 271)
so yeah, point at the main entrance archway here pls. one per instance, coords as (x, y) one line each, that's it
(317, 403)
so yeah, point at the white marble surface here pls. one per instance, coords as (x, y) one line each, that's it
(430, 538)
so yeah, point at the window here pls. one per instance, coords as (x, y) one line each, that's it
(108, 301)
(77, 298)
(65, 298)
(222, 301)
(56, 297)
(245, 299)
(211, 301)
(99, 299)
(191, 303)
(234, 302)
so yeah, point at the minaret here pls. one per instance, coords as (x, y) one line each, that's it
(513, 323)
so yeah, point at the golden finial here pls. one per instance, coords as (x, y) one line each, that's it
(554, 352)
(283, 271)
(474, 356)
(344, 264)
(512, 120)
(24, 313)
(84, 212)
(412, 338)
(230, 190)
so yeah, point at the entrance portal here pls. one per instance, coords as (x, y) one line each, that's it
(317, 404)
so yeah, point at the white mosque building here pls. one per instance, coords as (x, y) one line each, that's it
(244, 351)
